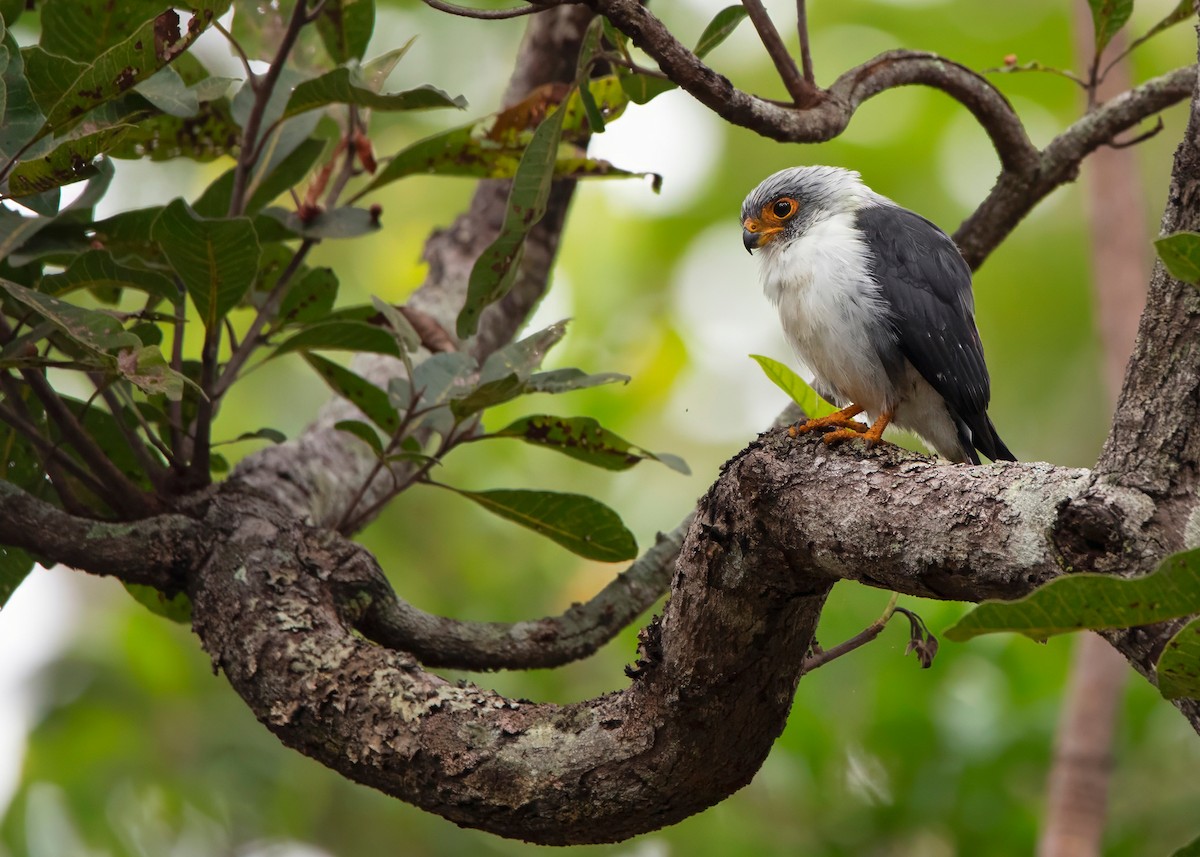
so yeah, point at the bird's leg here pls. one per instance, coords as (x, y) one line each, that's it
(872, 435)
(843, 419)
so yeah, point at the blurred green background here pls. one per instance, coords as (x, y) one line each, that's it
(135, 748)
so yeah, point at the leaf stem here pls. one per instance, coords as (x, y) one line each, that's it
(265, 316)
(262, 96)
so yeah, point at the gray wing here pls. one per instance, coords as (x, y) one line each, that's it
(927, 286)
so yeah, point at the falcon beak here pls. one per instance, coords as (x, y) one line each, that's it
(755, 235)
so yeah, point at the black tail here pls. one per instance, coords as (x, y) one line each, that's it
(977, 432)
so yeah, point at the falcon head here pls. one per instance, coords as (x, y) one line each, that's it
(788, 203)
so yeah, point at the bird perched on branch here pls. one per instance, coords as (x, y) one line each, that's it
(876, 301)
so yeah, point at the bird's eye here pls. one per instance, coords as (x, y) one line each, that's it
(783, 208)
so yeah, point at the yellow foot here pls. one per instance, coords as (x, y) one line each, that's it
(871, 435)
(843, 420)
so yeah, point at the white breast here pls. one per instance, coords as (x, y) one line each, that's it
(828, 302)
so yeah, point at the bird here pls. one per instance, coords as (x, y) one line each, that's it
(876, 302)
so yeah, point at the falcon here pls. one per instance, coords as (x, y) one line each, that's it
(876, 302)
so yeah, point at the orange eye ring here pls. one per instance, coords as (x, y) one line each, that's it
(780, 209)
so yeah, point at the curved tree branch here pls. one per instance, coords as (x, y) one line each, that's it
(155, 551)
(785, 520)
(438, 641)
(1015, 194)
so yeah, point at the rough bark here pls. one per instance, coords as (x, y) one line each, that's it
(1078, 783)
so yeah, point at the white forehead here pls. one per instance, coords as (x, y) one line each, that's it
(831, 188)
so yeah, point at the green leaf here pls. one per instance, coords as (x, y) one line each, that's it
(10, 11)
(273, 435)
(796, 387)
(442, 377)
(103, 337)
(285, 136)
(15, 565)
(405, 334)
(1108, 17)
(345, 27)
(375, 73)
(148, 369)
(340, 87)
(215, 258)
(584, 439)
(492, 147)
(209, 134)
(580, 524)
(1192, 849)
(363, 432)
(96, 270)
(22, 116)
(1094, 601)
(341, 336)
(69, 162)
(487, 395)
(565, 380)
(1180, 253)
(523, 356)
(719, 29)
(84, 29)
(361, 393)
(93, 330)
(166, 90)
(343, 222)
(310, 298)
(150, 47)
(496, 269)
(177, 609)
(1184, 10)
(1179, 664)
(16, 229)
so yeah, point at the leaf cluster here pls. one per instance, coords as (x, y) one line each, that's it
(158, 312)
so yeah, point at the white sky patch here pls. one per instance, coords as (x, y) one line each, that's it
(673, 136)
(35, 626)
(724, 317)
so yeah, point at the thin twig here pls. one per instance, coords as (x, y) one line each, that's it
(121, 493)
(262, 95)
(237, 49)
(266, 314)
(153, 469)
(151, 435)
(617, 59)
(29, 431)
(803, 93)
(206, 408)
(820, 658)
(483, 14)
(805, 52)
(179, 451)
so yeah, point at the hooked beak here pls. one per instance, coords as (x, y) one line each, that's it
(755, 234)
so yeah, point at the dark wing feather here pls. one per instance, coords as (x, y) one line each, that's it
(927, 286)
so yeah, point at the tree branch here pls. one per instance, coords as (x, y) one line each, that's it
(1016, 193)
(536, 644)
(752, 575)
(154, 551)
(803, 93)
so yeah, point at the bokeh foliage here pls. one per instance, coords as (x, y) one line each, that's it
(140, 750)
